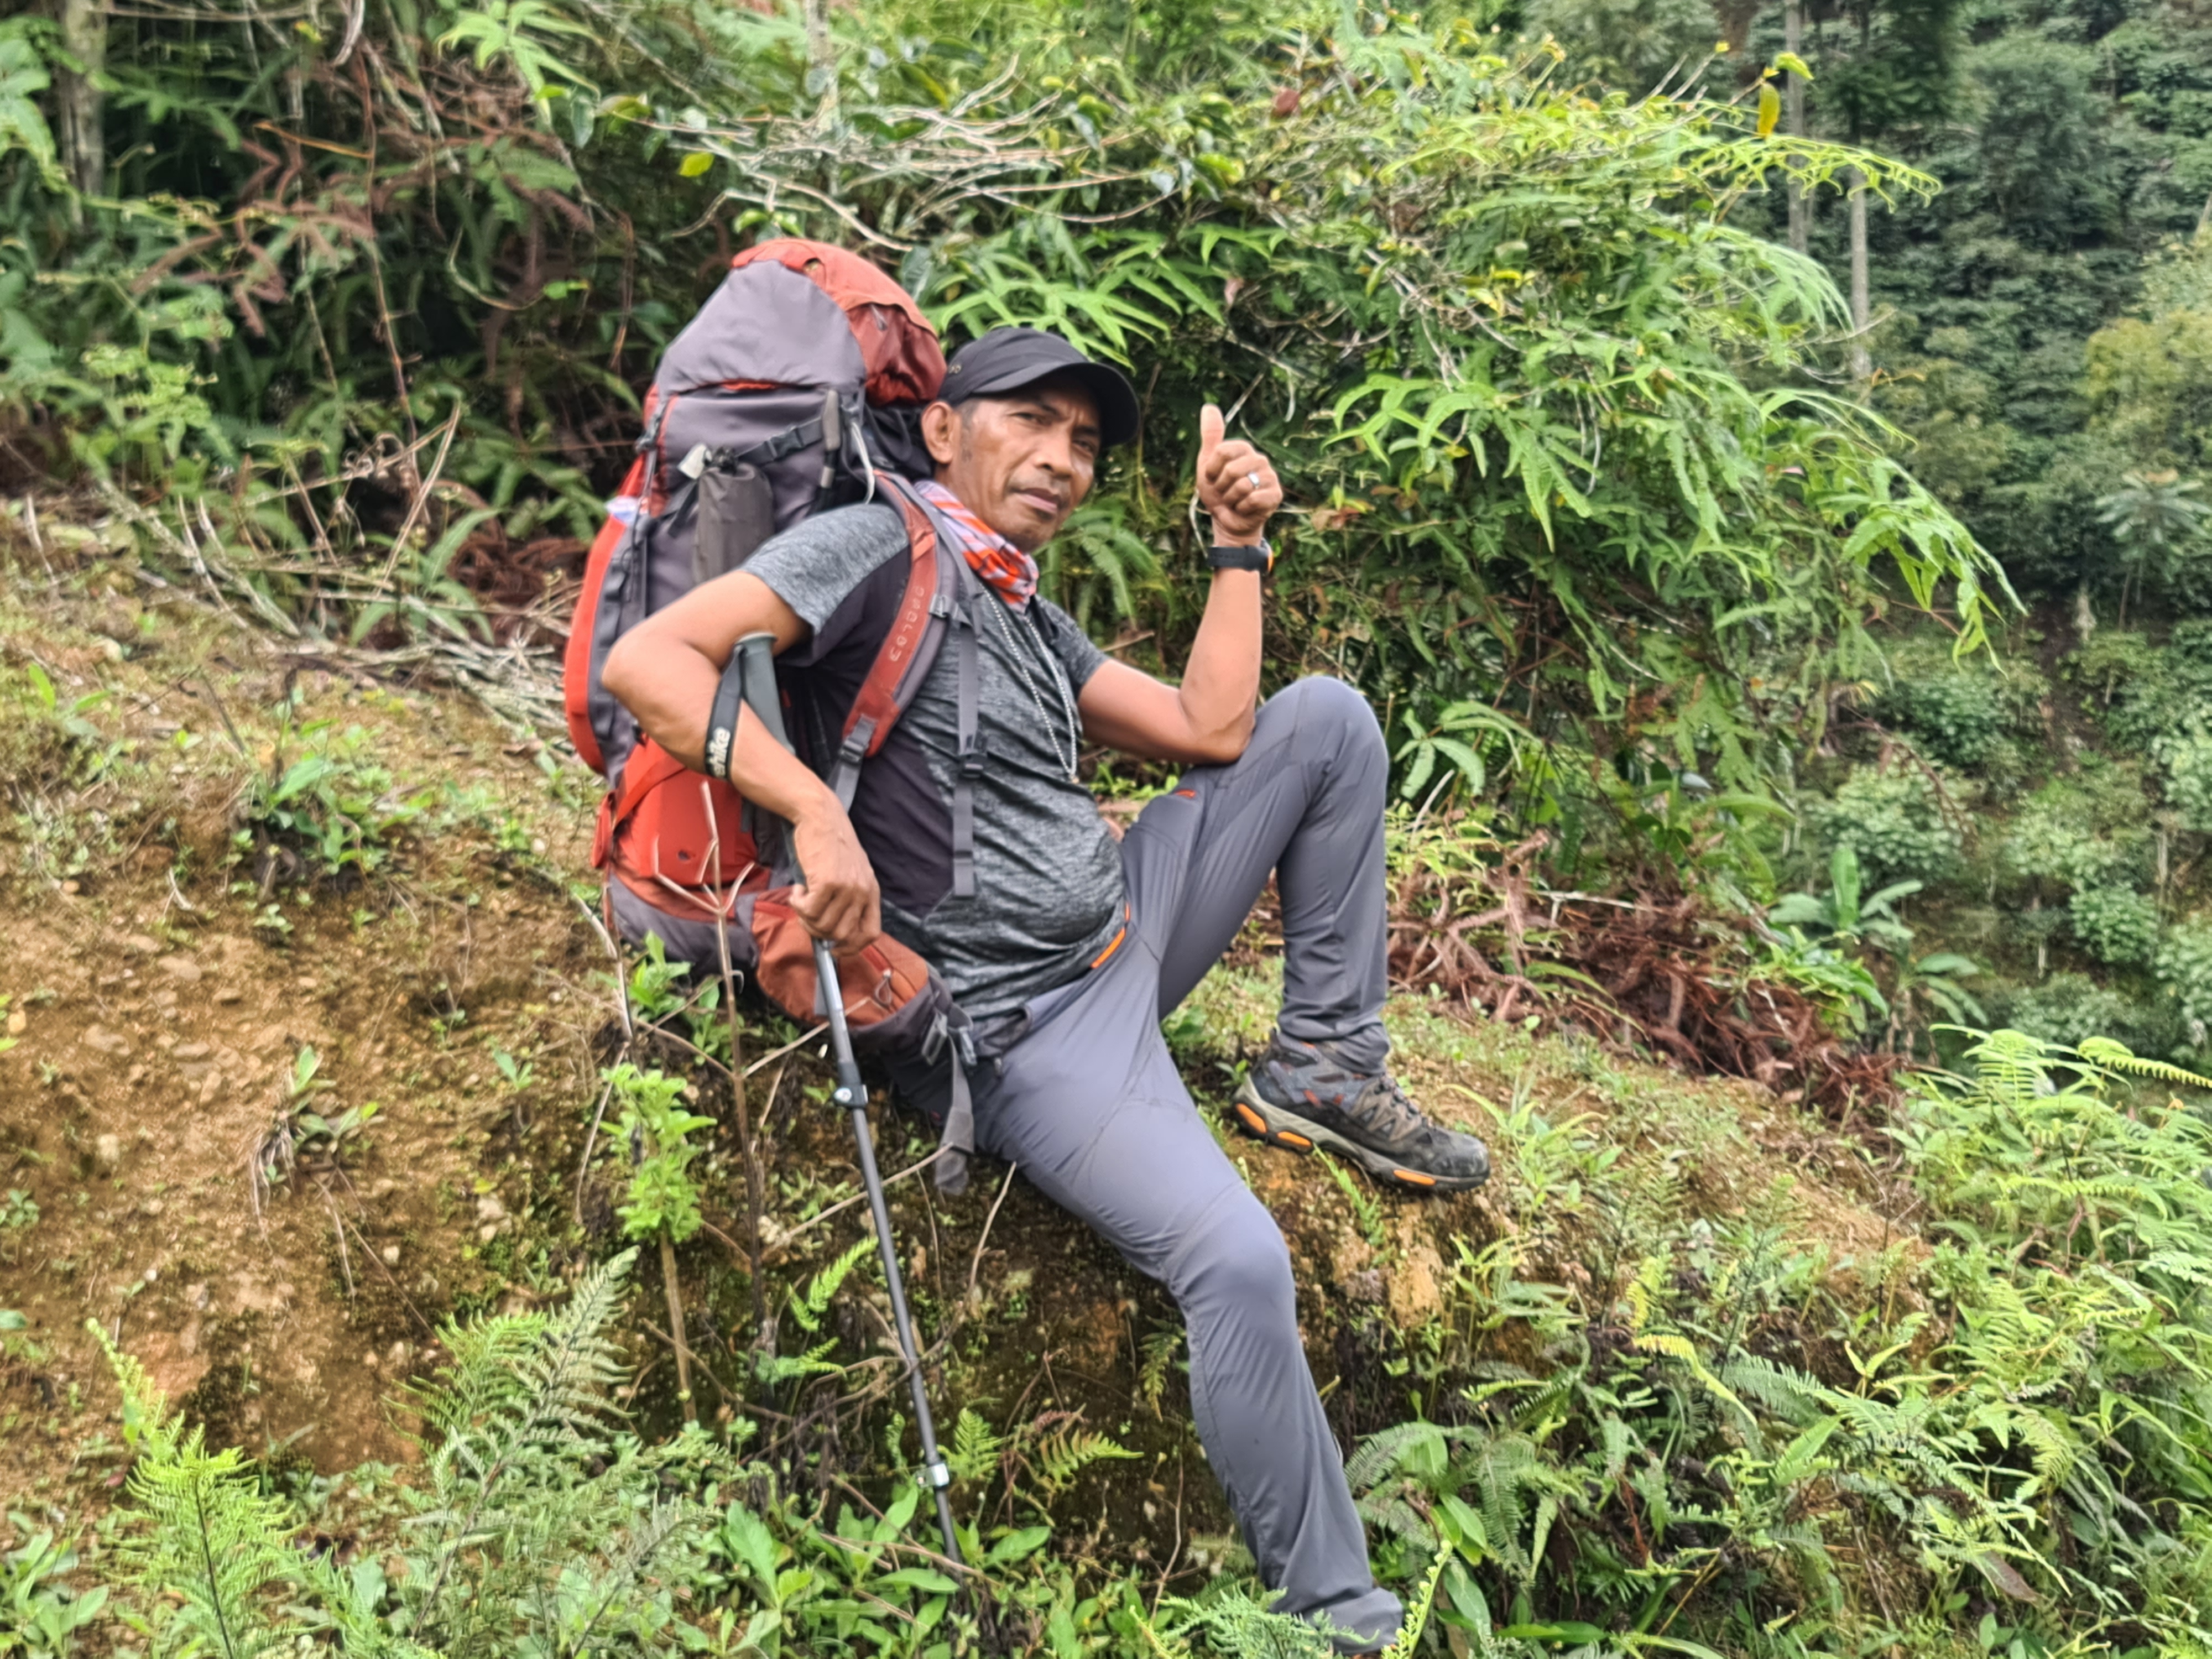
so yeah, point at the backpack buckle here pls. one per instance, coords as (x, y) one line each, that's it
(972, 758)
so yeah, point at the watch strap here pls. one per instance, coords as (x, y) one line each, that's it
(1260, 558)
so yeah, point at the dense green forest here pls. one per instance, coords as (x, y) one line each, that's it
(1751, 457)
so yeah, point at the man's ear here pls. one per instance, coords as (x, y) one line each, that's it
(940, 430)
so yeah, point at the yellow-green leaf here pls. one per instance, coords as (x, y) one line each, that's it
(695, 163)
(1769, 108)
(1793, 63)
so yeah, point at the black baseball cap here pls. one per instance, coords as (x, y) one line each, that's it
(1008, 358)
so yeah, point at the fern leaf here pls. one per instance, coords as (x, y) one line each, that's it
(810, 1309)
(1068, 1454)
(1160, 1350)
(1380, 1453)
(2115, 1057)
(977, 1446)
(211, 1546)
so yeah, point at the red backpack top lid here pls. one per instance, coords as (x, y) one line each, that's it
(905, 363)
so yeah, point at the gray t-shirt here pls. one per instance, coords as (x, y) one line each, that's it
(1048, 893)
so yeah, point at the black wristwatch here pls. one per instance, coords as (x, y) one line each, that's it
(1261, 557)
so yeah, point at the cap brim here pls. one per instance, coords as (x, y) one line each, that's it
(1118, 417)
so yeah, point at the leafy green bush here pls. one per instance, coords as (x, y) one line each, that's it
(2115, 924)
(40, 1612)
(2068, 1009)
(1892, 821)
(2086, 830)
(1956, 711)
(537, 1524)
(1558, 418)
(2145, 691)
(657, 1131)
(2186, 756)
(2184, 964)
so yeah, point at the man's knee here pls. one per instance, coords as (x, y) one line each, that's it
(1331, 720)
(1238, 1262)
(1323, 700)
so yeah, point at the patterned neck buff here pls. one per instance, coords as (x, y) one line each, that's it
(1011, 572)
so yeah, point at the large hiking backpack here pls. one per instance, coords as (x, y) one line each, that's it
(797, 387)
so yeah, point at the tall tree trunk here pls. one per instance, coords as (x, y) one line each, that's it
(78, 97)
(1793, 120)
(1862, 302)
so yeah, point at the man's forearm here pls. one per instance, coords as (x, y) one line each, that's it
(672, 704)
(1221, 683)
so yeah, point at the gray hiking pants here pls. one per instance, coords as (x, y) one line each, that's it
(1089, 1104)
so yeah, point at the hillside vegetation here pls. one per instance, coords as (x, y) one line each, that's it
(1790, 630)
(1695, 1374)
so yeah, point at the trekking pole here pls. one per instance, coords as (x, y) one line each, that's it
(755, 661)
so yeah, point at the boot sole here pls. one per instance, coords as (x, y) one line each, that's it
(1263, 1120)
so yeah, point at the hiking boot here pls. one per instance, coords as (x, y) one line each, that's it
(1302, 1097)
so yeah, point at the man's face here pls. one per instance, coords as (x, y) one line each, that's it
(1021, 463)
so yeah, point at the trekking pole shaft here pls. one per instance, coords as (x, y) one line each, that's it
(753, 659)
(853, 1095)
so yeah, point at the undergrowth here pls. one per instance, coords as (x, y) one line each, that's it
(1639, 1426)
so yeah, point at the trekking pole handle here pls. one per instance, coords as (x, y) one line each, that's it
(755, 660)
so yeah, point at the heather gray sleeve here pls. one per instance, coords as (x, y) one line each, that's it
(1078, 658)
(813, 565)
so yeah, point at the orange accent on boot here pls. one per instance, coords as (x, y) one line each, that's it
(1415, 1177)
(1253, 1121)
(1285, 1138)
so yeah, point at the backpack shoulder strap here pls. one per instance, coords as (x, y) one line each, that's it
(933, 591)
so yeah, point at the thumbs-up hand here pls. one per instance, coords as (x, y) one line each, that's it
(1236, 484)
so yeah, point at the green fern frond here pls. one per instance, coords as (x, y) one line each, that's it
(146, 1424)
(1229, 1622)
(554, 1414)
(2114, 1056)
(1161, 1347)
(1390, 1513)
(977, 1446)
(1417, 1616)
(810, 1308)
(210, 1548)
(1068, 1454)
(776, 1369)
(1379, 1453)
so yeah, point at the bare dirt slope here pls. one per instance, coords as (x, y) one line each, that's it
(164, 1012)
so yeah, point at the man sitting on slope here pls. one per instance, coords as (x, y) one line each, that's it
(1066, 948)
